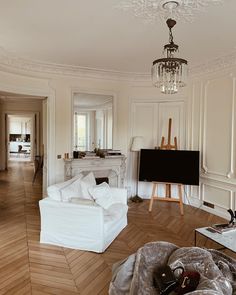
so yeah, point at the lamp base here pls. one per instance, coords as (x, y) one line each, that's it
(136, 199)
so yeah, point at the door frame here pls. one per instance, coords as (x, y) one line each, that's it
(49, 156)
(34, 134)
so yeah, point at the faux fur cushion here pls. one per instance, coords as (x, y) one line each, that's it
(217, 271)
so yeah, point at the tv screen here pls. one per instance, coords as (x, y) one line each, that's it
(173, 166)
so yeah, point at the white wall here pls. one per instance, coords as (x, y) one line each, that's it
(213, 131)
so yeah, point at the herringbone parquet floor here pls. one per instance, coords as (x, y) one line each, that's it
(28, 267)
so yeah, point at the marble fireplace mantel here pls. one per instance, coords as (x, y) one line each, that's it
(112, 167)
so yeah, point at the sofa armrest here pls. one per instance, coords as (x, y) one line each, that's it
(69, 217)
(119, 194)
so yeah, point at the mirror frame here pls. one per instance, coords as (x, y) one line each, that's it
(95, 92)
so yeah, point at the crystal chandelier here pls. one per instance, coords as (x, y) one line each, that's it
(170, 72)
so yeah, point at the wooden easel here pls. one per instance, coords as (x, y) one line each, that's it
(168, 197)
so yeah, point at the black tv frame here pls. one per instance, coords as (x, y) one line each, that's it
(169, 166)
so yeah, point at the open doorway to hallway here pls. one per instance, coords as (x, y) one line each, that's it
(22, 127)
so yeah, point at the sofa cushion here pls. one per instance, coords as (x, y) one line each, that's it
(80, 201)
(102, 195)
(54, 192)
(78, 188)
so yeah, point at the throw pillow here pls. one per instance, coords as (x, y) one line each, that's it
(78, 189)
(87, 182)
(53, 191)
(102, 195)
(71, 191)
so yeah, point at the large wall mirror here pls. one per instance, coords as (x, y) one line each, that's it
(92, 121)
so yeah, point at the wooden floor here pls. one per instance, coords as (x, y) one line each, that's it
(28, 267)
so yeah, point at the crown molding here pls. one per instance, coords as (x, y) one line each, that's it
(10, 60)
(19, 64)
(225, 62)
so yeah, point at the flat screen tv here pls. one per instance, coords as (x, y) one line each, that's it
(171, 166)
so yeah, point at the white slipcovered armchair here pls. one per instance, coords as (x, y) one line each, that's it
(82, 223)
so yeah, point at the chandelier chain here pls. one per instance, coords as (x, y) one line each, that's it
(170, 36)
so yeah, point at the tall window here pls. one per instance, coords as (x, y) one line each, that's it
(81, 131)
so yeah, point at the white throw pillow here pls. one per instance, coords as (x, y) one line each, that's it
(78, 188)
(53, 191)
(102, 195)
(87, 182)
(83, 201)
(71, 191)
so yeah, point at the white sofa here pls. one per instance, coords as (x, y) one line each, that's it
(83, 225)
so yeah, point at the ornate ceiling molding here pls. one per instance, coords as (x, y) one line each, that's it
(214, 65)
(18, 64)
(155, 10)
(12, 61)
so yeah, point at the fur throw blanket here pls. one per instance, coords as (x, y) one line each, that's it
(134, 275)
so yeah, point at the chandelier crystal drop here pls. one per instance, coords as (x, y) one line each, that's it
(153, 10)
(170, 72)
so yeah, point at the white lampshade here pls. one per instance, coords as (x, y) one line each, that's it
(137, 143)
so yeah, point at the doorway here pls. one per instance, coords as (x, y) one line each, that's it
(20, 137)
(23, 127)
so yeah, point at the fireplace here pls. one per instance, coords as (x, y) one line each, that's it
(112, 167)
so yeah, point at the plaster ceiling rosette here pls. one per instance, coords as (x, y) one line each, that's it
(155, 10)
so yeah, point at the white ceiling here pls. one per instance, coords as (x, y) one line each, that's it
(94, 34)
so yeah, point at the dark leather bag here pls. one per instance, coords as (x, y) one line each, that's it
(188, 282)
(164, 279)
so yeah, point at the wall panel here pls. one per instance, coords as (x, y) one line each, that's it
(150, 120)
(219, 196)
(144, 122)
(175, 111)
(213, 111)
(217, 126)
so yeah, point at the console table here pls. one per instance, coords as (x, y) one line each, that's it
(112, 167)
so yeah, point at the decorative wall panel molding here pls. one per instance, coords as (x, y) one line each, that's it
(217, 125)
(231, 173)
(218, 195)
(175, 111)
(150, 120)
(214, 65)
(203, 127)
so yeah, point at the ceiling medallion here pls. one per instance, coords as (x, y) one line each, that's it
(153, 10)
